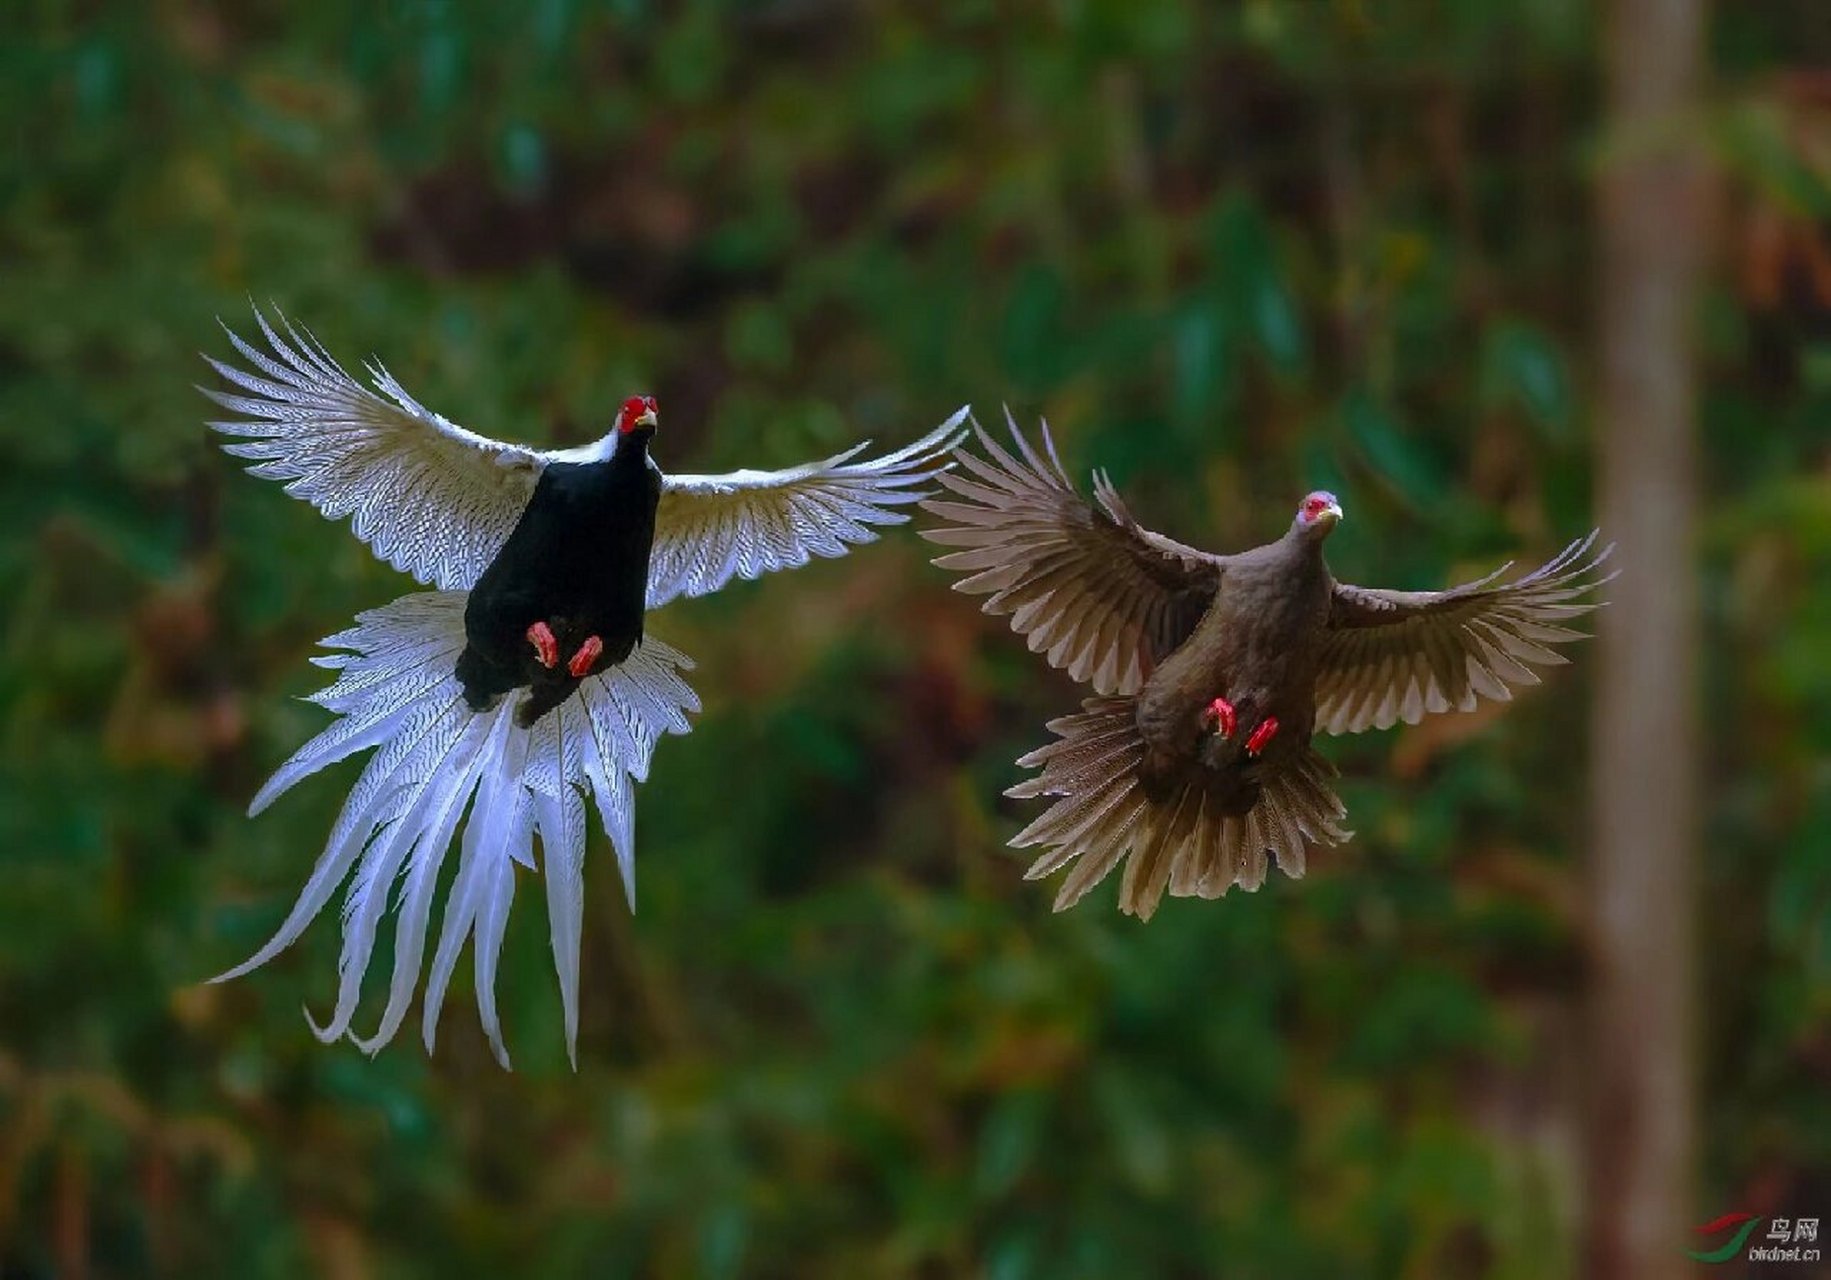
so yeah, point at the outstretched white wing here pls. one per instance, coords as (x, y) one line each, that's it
(710, 529)
(429, 497)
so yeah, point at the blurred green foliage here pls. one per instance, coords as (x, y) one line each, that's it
(1234, 251)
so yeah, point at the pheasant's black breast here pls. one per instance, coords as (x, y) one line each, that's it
(577, 560)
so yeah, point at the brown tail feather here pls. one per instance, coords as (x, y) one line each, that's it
(1180, 842)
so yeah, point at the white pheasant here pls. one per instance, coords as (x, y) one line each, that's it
(524, 680)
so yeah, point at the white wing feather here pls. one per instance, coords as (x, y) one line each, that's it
(711, 529)
(429, 497)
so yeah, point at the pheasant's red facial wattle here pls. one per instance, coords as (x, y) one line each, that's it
(1320, 505)
(637, 411)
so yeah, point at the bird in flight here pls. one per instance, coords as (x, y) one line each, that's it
(524, 679)
(1213, 672)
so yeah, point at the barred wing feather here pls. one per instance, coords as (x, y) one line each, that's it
(430, 498)
(1401, 655)
(711, 529)
(1093, 591)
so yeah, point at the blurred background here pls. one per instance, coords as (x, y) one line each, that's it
(1234, 252)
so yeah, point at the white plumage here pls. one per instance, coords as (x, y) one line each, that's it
(395, 690)
(438, 502)
(427, 496)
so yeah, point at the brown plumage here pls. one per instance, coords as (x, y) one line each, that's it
(1212, 672)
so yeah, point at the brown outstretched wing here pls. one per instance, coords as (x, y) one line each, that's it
(1400, 655)
(1091, 589)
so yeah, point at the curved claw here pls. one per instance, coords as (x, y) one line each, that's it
(546, 648)
(1219, 717)
(587, 654)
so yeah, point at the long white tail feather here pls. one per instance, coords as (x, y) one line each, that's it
(439, 766)
(492, 923)
(442, 806)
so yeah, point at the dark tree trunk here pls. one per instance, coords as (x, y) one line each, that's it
(1652, 210)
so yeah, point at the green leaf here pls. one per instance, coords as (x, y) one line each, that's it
(1390, 449)
(1522, 366)
(1007, 1141)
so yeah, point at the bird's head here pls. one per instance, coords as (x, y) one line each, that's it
(1318, 513)
(637, 415)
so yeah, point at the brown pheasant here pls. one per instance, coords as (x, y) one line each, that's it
(1214, 671)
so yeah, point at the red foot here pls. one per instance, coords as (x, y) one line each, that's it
(1219, 715)
(546, 648)
(1267, 730)
(580, 666)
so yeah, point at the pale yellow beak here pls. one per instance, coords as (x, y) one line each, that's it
(646, 418)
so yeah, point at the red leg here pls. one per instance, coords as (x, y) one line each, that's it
(1219, 716)
(546, 648)
(580, 666)
(1267, 730)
